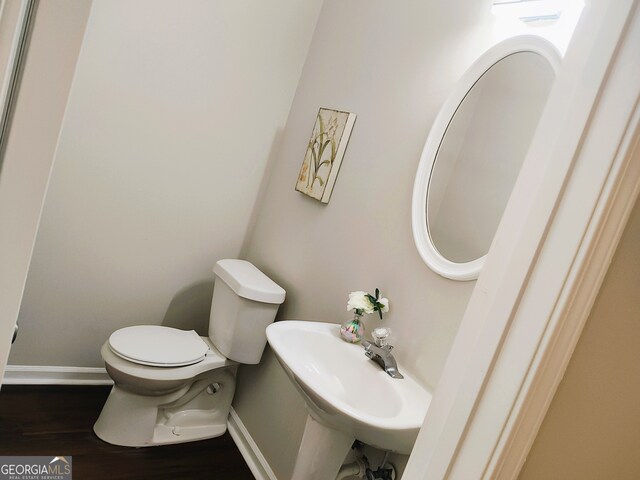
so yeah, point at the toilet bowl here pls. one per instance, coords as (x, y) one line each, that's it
(173, 386)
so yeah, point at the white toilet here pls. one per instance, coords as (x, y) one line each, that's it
(173, 386)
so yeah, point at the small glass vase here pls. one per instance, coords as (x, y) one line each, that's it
(352, 331)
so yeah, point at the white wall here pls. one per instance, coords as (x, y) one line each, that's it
(174, 112)
(393, 64)
(48, 70)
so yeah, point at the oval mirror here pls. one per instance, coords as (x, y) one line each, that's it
(474, 152)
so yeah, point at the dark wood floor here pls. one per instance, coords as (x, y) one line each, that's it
(48, 420)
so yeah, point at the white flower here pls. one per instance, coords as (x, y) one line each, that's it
(360, 302)
(384, 304)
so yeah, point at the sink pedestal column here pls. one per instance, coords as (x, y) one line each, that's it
(321, 452)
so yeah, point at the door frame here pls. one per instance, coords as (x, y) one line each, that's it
(54, 44)
(11, 282)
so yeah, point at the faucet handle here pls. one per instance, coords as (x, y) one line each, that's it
(381, 336)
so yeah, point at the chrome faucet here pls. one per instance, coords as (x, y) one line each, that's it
(380, 352)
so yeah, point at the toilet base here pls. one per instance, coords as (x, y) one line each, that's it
(164, 435)
(197, 411)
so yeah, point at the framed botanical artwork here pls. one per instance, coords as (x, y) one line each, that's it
(324, 154)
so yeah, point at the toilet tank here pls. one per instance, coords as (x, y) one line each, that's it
(245, 302)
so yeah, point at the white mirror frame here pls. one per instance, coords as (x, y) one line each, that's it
(428, 251)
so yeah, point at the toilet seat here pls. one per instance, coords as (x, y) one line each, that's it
(158, 346)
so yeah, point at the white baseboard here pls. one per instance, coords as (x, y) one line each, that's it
(45, 375)
(249, 449)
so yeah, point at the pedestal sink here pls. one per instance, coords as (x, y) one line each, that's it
(347, 395)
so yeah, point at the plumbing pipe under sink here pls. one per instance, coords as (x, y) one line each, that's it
(357, 469)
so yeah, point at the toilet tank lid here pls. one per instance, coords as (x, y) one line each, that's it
(249, 282)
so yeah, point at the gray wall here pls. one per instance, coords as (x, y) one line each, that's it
(393, 64)
(38, 114)
(592, 427)
(171, 119)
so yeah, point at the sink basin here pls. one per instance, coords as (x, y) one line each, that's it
(345, 390)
